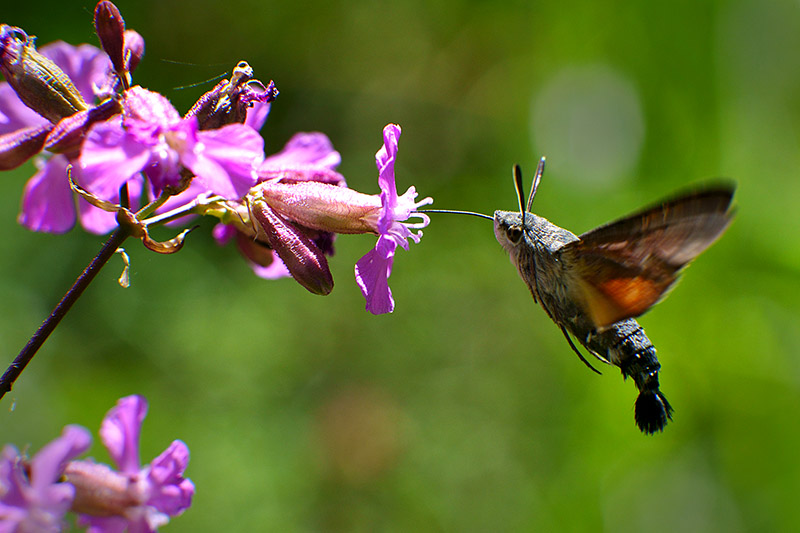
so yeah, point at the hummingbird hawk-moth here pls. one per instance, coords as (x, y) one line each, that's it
(593, 285)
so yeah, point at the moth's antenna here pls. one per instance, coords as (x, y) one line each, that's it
(520, 191)
(209, 80)
(471, 213)
(536, 179)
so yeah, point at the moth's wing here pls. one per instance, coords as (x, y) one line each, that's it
(623, 268)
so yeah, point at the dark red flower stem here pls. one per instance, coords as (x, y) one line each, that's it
(72, 295)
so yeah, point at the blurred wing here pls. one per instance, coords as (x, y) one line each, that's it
(623, 268)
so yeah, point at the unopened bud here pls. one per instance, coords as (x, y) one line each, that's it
(19, 146)
(229, 100)
(110, 27)
(304, 260)
(39, 83)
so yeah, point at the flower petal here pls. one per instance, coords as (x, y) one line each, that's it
(305, 148)
(263, 260)
(103, 524)
(385, 159)
(149, 109)
(48, 465)
(171, 493)
(14, 115)
(225, 160)
(372, 275)
(87, 66)
(275, 270)
(120, 432)
(257, 115)
(100, 222)
(110, 156)
(47, 202)
(36, 500)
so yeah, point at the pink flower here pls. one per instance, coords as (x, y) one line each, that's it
(307, 157)
(135, 498)
(47, 203)
(36, 499)
(329, 207)
(152, 138)
(373, 270)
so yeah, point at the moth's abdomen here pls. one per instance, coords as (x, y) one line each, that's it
(652, 411)
(626, 345)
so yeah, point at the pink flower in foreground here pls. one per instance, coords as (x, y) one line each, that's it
(36, 498)
(136, 499)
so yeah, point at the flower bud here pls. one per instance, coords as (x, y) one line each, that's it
(19, 146)
(110, 27)
(228, 101)
(67, 136)
(304, 260)
(322, 206)
(39, 83)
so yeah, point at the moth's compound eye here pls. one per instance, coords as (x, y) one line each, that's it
(514, 234)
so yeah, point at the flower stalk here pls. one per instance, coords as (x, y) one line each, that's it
(66, 303)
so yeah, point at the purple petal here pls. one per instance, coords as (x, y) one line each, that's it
(188, 196)
(372, 276)
(86, 65)
(39, 504)
(11, 517)
(276, 270)
(110, 156)
(134, 49)
(385, 159)
(47, 202)
(103, 524)
(305, 148)
(11, 481)
(120, 432)
(171, 493)
(223, 233)
(264, 261)
(14, 115)
(257, 115)
(100, 222)
(225, 160)
(149, 109)
(48, 465)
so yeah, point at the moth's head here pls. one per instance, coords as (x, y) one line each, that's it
(508, 229)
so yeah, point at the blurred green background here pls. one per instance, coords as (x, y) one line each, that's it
(464, 410)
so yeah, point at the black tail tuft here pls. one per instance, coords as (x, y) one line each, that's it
(652, 411)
